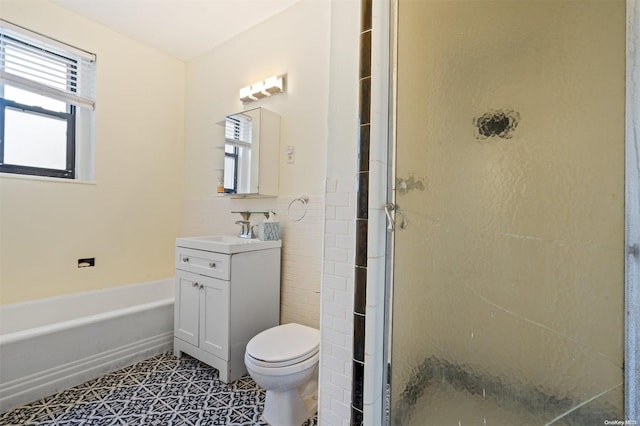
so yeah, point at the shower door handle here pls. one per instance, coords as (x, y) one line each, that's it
(391, 223)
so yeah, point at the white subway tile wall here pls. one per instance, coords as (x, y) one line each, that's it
(337, 302)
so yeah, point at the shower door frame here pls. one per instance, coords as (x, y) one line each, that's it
(387, 11)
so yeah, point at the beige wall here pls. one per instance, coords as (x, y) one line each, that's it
(515, 247)
(342, 143)
(128, 219)
(294, 42)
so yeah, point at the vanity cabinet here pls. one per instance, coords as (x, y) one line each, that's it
(222, 300)
(203, 312)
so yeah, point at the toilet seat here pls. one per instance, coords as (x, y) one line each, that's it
(274, 371)
(283, 346)
(286, 363)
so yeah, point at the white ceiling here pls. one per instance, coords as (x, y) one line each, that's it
(182, 28)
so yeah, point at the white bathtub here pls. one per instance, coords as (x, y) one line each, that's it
(48, 345)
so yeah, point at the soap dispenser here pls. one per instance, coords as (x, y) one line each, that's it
(269, 229)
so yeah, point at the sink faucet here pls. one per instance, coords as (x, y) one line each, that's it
(246, 230)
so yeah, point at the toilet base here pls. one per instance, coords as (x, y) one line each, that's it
(292, 407)
(285, 408)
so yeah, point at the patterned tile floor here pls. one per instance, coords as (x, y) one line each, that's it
(163, 390)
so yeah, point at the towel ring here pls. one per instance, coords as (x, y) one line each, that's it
(304, 200)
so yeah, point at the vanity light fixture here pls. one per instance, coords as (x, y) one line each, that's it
(245, 95)
(274, 84)
(257, 90)
(261, 89)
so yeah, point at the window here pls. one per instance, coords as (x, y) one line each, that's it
(47, 105)
(230, 168)
(237, 146)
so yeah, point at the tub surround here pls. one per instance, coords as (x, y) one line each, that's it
(51, 344)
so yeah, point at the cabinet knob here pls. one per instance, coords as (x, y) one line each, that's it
(185, 259)
(212, 265)
(201, 286)
(194, 285)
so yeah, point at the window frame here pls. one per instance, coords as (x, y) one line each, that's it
(78, 95)
(70, 170)
(234, 157)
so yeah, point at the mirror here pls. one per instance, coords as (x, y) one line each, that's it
(241, 142)
(251, 152)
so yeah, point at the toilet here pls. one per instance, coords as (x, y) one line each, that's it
(284, 361)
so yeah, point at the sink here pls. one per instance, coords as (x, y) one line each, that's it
(226, 244)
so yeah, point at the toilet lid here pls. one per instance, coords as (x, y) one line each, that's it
(288, 342)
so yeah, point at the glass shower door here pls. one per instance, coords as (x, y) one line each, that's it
(508, 278)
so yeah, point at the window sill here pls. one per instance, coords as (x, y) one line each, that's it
(46, 179)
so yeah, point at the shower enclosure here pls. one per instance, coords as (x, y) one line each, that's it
(508, 194)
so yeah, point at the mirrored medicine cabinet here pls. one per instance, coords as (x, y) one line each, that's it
(251, 153)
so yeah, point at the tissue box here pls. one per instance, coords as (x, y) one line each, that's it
(269, 231)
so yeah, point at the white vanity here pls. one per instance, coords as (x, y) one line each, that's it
(227, 291)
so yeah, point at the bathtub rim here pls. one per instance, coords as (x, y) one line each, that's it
(12, 312)
(31, 333)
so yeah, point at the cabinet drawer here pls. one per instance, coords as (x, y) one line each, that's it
(207, 263)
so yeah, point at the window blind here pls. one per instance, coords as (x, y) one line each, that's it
(238, 130)
(34, 62)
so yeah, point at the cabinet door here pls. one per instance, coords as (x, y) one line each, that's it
(214, 317)
(186, 316)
